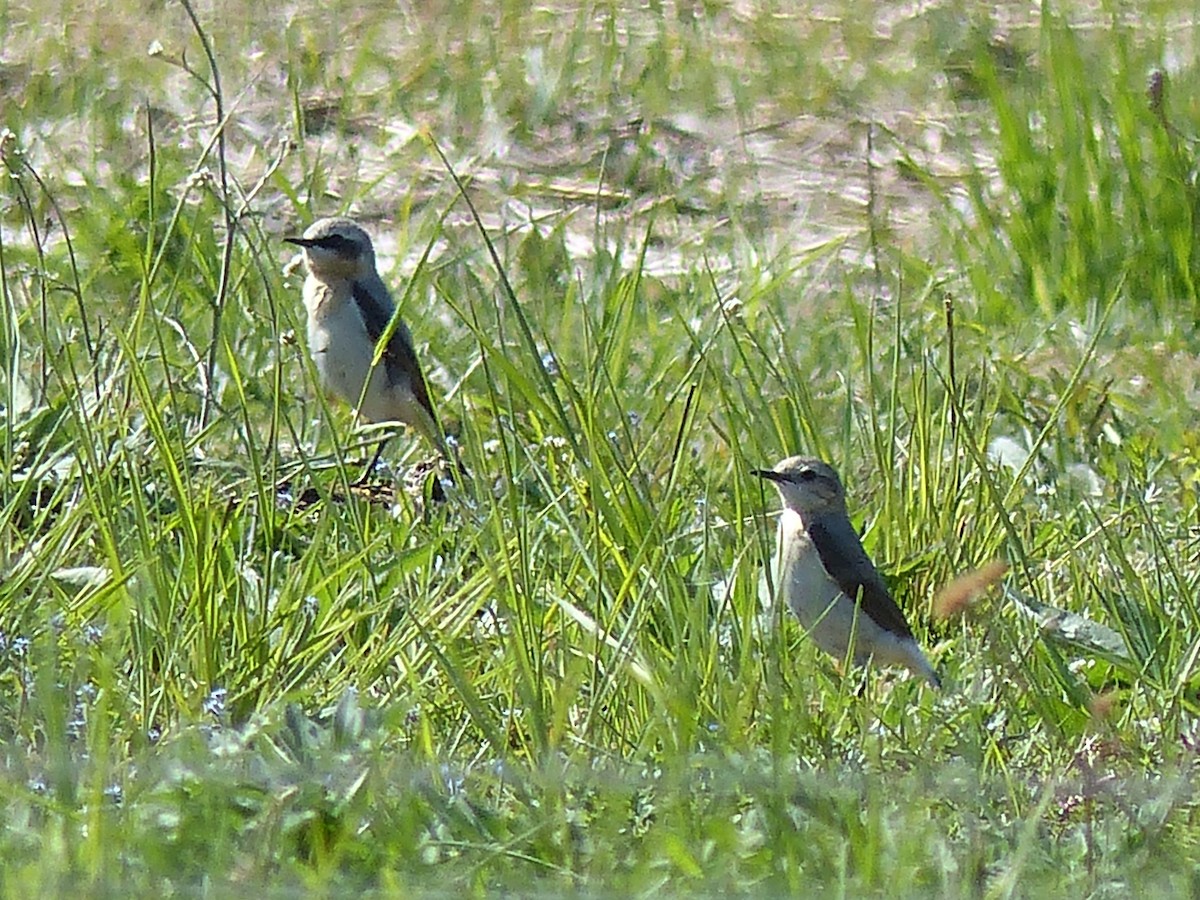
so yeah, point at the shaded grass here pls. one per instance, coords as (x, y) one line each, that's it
(569, 679)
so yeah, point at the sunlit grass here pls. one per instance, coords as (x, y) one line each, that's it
(225, 670)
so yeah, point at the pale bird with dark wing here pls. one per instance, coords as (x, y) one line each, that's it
(349, 308)
(824, 572)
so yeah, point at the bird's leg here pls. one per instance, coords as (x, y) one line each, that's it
(862, 684)
(454, 464)
(366, 475)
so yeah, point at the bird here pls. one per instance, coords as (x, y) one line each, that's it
(827, 578)
(349, 308)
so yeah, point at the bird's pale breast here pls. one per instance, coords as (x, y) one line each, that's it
(342, 351)
(802, 578)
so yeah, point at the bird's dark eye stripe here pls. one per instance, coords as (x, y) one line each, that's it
(807, 475)
(338, 244)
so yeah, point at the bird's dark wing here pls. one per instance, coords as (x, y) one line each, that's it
(399, 357)
(847, 563)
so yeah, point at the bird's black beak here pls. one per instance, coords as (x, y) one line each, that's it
(300, 242)
(769, 474)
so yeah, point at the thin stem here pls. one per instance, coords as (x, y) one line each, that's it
(218, 303)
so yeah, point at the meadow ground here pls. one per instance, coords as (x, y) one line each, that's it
(951, 247)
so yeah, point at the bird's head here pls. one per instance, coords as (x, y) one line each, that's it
(808, 486)
(337, 248)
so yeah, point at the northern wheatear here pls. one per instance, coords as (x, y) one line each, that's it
(349, 309)
(826, 576)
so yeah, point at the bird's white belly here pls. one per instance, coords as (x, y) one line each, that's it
(343, 351)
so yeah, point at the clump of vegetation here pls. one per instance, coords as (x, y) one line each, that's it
(952, 250)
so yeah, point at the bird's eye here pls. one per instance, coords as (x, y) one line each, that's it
(807, 475)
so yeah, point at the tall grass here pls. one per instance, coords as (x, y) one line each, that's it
(227, 670)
